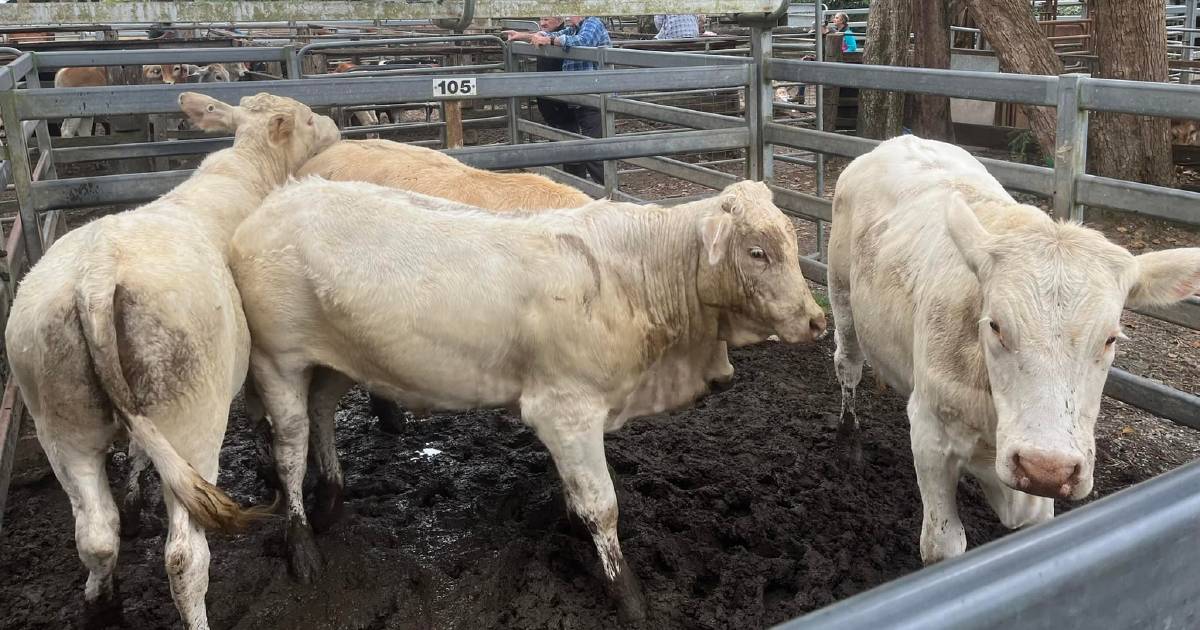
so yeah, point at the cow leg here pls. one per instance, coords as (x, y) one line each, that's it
(69, 127)
(97, 524)
(574, 435)
(938, 469)
(721, 370)
(1016, 509)
(391, 416)
(187, 558)
(324, 393)
(285, 395)
(847, 364)
(131, 503)
(256, 414)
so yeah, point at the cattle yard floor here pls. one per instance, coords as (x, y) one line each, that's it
(736, 513)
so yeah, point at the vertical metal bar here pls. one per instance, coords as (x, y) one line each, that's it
(510, 65)
(291, 61)
(1189, 39)
(754, 107)
(609, 120)
(819, 18)
(18, 155)
(42, 131)
(762, 49)
(1070, 147)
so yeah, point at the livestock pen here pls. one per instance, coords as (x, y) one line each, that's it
(737, 504)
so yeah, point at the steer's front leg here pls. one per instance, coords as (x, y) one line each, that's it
(574, 435)
(938, 467)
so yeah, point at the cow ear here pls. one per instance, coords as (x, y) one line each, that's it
(969, 236)
(1165, 277)
(208, 113)
(715, 231)
(279, 129)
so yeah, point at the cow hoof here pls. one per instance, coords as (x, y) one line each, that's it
(328, 509)
(304, 558)
(104, 611)
(391, 416)
(626, 589)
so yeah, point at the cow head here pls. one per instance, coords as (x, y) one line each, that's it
(1052, 296)
(283, 128)
(750, 269)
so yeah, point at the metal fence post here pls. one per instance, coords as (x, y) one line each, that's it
(759, 106)
(1070, 147)
(819, 43)
(609, 120)
(291, 61)
(510, 65)
(18, 155)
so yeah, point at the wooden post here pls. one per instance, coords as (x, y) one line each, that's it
(454, 129)
(829, 105)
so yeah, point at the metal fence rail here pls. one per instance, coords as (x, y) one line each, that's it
(1125, 561)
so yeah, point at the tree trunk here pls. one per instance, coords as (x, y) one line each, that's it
(880, 114)
(832, 98)
(1131, 42)
(1008, 25)
(931, 113)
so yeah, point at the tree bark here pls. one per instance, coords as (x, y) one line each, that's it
(880, 114)
(832, 98)
(1008, 25)
(1131, 42)
(931, 113)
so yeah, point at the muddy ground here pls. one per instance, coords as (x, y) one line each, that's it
(736, 513)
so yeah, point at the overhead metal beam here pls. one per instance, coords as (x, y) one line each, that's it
(227, 11)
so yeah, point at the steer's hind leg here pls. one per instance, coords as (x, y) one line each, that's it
(284, 392)
(847, 365)
(324, 393)
(574, 435)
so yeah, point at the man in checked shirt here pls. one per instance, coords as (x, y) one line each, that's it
(580, 31)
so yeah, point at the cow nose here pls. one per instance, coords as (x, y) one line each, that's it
(1046, 473)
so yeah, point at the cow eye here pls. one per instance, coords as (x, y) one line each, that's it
(995, 327)
(1110, 341)
(758, 253)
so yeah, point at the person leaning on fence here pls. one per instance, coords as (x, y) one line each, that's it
(841, 24)
(677, 26)
(554, 112)
(580, 31)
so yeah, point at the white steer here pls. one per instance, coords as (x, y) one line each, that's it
(997, 322)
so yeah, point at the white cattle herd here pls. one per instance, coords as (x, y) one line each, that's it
(998, 323)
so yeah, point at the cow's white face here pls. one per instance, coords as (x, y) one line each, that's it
(750, 268)
(1052, 297)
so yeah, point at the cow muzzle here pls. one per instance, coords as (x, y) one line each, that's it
(1046, 473)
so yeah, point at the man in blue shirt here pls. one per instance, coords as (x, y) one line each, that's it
(671, 26)
(580, 31)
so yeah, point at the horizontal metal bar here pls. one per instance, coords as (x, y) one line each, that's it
(103, 190)
(406, 72)
(1186, 313)
(226, 11)
(626, 57)
(1140, 97)
(366, 43)
(147, 99)
(73, 58)
(1159, 399)
(1124, 561)
(140, 150)
(1154, 201)
(802, 205)
(588, 187)
(1026, 177)
(688, 172)
(992, 86)
(599, 149)
(660, 113)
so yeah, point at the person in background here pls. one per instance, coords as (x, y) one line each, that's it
(580, 31)
(676, 26)
(553, 111)
(841, 24)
